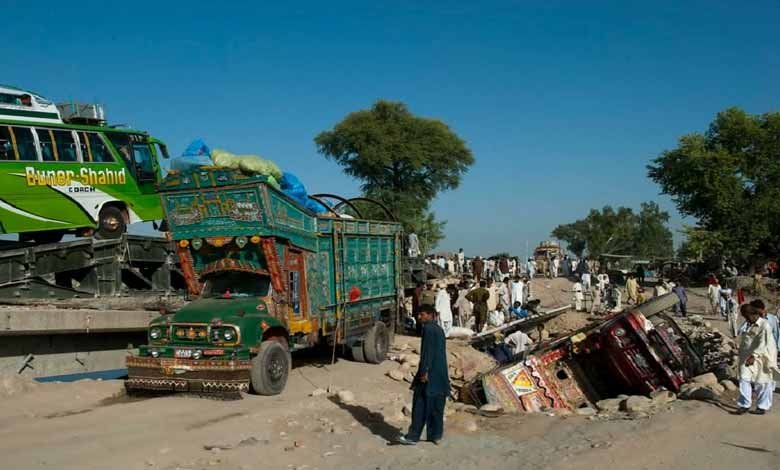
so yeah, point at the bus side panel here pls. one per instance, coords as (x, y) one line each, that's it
(28, 207)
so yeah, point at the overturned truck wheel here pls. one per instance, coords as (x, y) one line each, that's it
(270, 368)
(376, 344)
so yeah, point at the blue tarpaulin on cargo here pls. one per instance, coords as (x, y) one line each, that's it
(293, 187)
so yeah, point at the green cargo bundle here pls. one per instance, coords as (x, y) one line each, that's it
(271, 277)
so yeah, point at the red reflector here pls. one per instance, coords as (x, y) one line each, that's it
(213, 352)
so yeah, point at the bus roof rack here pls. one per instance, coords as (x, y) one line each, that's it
(91, 114)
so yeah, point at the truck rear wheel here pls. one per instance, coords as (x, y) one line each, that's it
(270, 368)
(376, 344)
(357, 352)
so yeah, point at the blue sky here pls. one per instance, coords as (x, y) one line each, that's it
(562, 103)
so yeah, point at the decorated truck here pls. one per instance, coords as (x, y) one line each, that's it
(270, 276)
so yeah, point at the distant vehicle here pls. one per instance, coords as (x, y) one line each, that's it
(272, 277)
(546, 250)
(74, 175)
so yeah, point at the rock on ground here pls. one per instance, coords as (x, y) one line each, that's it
(346, 397)
(397, 374)
(705, 379)
(637, 403)
(728, 385)
(662, 397)
(696, 391)
(610, 405)
(491, 408)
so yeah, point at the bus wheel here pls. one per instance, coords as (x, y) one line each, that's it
(376, 344)
(270, 368)
(111, 223)
(47, 236)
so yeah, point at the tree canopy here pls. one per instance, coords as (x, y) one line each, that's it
(401, 159)
(619, 231)
(727, 178)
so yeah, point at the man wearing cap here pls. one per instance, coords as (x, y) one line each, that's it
(431, 384)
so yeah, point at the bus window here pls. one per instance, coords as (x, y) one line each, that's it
(122, 144)
(86, 149)
(6, 148)
(48, 150)
(25, 143)
(6, 98)
(66, 146)
(142, 157)
(100, 151)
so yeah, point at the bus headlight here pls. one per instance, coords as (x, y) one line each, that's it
(155, 333)
(228, 334)
(241, 241)
(155, 353)
(197, 354)
(197, 243)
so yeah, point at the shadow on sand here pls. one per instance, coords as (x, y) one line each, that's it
(372, 421)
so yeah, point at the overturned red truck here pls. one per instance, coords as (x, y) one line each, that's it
(634, 352)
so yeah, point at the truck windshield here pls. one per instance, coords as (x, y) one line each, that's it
(229, 285)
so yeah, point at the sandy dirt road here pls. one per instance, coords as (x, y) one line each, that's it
(92, 425)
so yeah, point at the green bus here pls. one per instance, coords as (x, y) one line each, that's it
(72, 174)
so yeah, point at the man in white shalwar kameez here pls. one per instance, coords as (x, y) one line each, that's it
(713, 294)
(516, 291)
(579, 297)
(444, 310)
(530, 266)
(757, 362)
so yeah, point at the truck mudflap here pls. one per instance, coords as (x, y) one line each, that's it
(187, 375)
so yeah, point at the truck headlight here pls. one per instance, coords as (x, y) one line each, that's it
(228, 334)
(197, 354)
(155, 333)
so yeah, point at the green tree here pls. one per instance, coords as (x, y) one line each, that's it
(727, 178)
(401, 159)
(699, 245)
(619, 232)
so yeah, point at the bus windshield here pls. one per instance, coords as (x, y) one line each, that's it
(235, 284)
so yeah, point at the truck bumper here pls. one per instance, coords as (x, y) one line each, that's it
(187, 375)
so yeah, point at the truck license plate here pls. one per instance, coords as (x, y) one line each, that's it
(183, 353)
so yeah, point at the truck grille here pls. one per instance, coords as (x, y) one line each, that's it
(191, 333)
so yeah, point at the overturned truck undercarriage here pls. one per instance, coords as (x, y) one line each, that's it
(634, 352)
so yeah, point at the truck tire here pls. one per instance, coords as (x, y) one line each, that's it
(111, 223)
(357, 352)
(270, 368)
(376, 344)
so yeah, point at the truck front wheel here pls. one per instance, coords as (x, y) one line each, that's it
(270, 368)
(376, 344)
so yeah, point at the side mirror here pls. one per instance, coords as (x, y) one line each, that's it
(164, 151)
